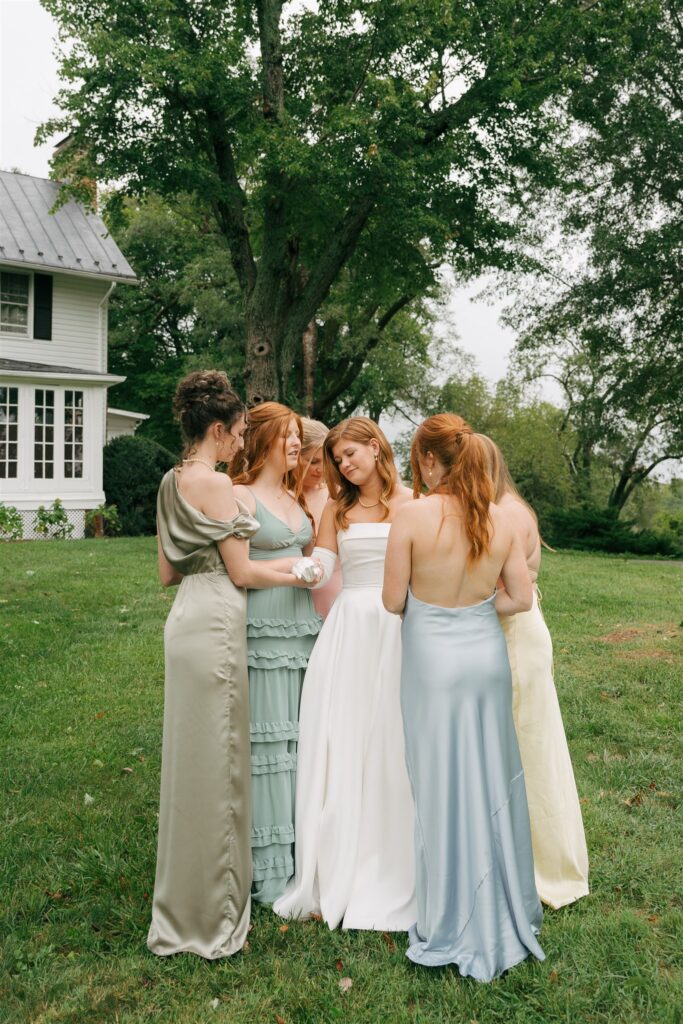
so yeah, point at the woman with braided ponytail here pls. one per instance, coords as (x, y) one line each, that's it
(477, 905)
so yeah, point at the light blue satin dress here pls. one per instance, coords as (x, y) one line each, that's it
(477, 905)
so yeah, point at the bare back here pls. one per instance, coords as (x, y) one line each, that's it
(526, 527)
(440, 573)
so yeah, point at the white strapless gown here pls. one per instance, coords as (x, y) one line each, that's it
(354, 847)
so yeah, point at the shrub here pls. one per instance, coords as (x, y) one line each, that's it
(133, 468)
(11, 527)
(53, 521)
(594, 529)
(108, 517)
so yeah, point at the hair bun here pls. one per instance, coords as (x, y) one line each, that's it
(202, 397)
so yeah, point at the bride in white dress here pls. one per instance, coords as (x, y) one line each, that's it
(354, 846)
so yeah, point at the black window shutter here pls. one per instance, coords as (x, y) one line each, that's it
(42, 306)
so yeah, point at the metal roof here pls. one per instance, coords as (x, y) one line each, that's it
(24, 368)
(70, 239)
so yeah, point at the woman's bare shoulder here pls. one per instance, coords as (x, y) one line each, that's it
(244, 494)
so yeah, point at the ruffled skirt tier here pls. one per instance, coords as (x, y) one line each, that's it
(281, 630)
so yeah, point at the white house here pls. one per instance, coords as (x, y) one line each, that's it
(57, 271)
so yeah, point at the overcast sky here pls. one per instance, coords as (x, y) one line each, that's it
(28, 83)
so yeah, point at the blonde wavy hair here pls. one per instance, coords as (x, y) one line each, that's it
(362, 430)
(312, 440)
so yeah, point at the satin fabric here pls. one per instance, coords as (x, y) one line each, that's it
(201, 893)
(557, 835)
(281, 629)
(354, 808)
(477, 905)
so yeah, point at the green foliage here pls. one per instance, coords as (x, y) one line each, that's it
(82, 699)
(11, 527)
(133, 468)
(53, 522)
(383, 137)
(527, 432)
(104, 517)
(600, 529)
(609, 327)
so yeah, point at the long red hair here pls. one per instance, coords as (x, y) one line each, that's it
(346, 494)
(267, 425)
(451, 440)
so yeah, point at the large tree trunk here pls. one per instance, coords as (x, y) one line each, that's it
(310, 351)
(260, 368)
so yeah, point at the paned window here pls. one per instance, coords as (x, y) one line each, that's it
(9, 425)
(73, 434)
(44, 435)
(14, 302)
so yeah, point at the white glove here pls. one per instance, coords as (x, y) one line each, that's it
(328, 560)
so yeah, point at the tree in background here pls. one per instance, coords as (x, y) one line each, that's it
(527, 432)
(187, 314)
(605, 316)
(384, 137)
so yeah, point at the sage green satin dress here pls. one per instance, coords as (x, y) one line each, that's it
(203, 877)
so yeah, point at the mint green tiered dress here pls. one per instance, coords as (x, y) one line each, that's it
(281, 629)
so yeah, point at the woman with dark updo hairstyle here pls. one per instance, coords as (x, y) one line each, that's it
(203, 877)
(477, 905)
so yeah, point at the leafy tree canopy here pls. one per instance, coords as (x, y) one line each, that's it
(385, 136)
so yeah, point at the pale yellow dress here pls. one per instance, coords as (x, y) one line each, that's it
(203, 877)
(558, 839)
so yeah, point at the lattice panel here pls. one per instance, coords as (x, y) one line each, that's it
(76, 517)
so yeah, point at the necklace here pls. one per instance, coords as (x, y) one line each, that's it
(203, 462)
(363, 505)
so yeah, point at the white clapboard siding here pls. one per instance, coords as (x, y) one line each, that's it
(78, 328)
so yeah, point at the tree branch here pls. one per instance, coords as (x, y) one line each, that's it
(355, 365)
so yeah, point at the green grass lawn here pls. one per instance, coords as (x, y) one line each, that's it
(82, 691)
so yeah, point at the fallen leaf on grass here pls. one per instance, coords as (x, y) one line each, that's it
(339, 965)
(279, 1019)
(215, 1003)
(87, 799)
(127, 771)
(345, 984)
(552, 977)
(654, 918)
(635, 800)
(583, 800)
(101, 714)
(389, 941)
(316, 917)
(284, 928)
(97, 763)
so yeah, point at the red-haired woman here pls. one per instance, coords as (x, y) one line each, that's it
(281, 629)
(477, 905)
(354, 808)
(559, 841)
